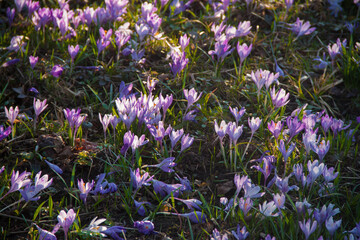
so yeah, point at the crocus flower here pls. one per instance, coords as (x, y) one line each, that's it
(258, 78)
(286, 152)
(268, 208)
(298, 171)
(237, 113)
(191, 203)
(33, 60)
(46, 235)
(222, 49)
(114, 231)
(240, 234)
(30, 191)
(17, 43)
(252, 191)
(321, 149)
(105, 121)
(268, 237)
(322, 62)
(191, 96)
(10, 13)
(283, 184)
(138, 142)
(184, 42)
(85, 189)
(254, 124)
(315, 170)
(179, 62)
(144, 227)
(243, 29)
(10, 63)
(338, 125)
(4, 133)
(66, 220)
(221, 130)
(280, 98)
(175, 137)
(11, 114)
(19, 181)
(194, 217)
(275, 128)
(332, 226)
(245, 205)
(54, 167)
(234, 132)
(300, 28)
(57, 71)
(301, 207)
(288, 4)
(243, 51)
(217, 236)
(294, 126)
(39, 106)
(335, 7)
(326, 123)
(94, 226)
(159, 132)
(103, 186)
(267, 166)
(2, 169)
(329, 174)
(166, 165)
(138, 180)
(186, 141)
(279, 201)
(308, 228)
(140, 207)
(73, 51)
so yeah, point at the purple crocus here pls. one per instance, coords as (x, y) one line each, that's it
(329, 174)
(237, 113)
(30, 191)
(283, 184)
(179, 62)
(275, 128)
(279, 201)
(138, 180)
(10, 13)
(332, 225)
(114, 231)
(221, 130)
(39, 106)
(254, 124)
(286, 152)
(267, 166)
(159, 131)
(243, 51)
(191, 96)
(33, 60)
(105, 121)
(175, 137)
(184, 42)
(234, 132)
(186, 141)
(140, 207)
(294, 126)
(166, 165)
(288, 4)
(245, 205)
(190, 203)
(268, 208)
(4, 133)
(194, 217)
(309, 138)
(321, 149)
(280, 98)
(54, 167)
(326, 123)
(222, 49)
(66, 220)
(138, 142)
(300, 28)
(308, 228)
(240, 234)
(73, 51)
(57, 71)
(46, 235)
(144, 227)
(259, 79)
(85, 189)
(11, 114)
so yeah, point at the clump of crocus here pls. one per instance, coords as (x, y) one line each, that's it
(18, 181)
(66, 220)
(30, 191)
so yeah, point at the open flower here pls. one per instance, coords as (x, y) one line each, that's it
(66, 220)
